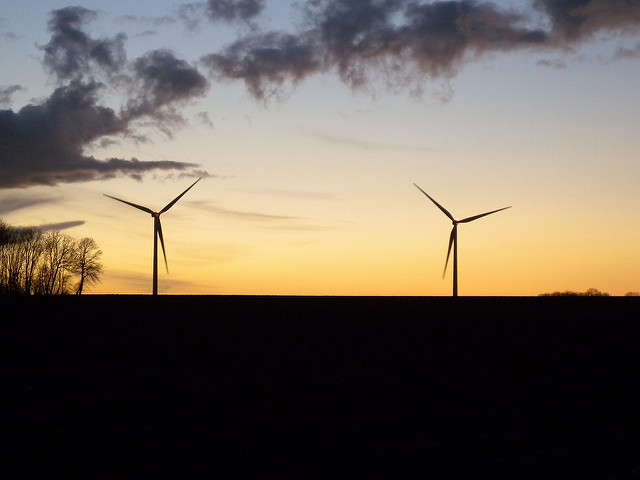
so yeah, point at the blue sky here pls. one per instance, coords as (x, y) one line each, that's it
(310, 126)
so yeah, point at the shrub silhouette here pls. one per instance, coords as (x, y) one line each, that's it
(592, 292)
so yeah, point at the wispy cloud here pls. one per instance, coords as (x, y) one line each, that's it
(6, 93)
(308, 227)
(11, 202)
(358, 143)
(289, 193)
(244, 215)
(155, 21)
(47, 227)
(554, 63)
(264, 220)
(6, 35)
(627, 53)
(205, 119)
(50, 227)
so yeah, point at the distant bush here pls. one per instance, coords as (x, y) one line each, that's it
(592, 292)
(632, 294)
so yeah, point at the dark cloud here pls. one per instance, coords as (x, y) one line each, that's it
(438, 37)
(406, 41)
(266, 61)
(233, 10)
(156, 80)
(356, 38)
(230, 11)
(162, 80)
(72, 52)
(44, 143)
(575, 20)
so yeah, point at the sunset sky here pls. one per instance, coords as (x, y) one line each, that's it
(310, 121)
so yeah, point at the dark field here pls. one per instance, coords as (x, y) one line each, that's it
(322, 387)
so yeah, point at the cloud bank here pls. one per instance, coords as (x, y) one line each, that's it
(402, 42)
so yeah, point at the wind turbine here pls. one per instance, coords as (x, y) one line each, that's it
(157, 231)
(453, 238)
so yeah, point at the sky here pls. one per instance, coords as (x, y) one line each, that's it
(310, 121)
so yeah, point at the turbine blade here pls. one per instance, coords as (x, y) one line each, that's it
(140, 207)
(475, 217)
(451, 238)
(164, 254)
(170, 204)
(444, 210)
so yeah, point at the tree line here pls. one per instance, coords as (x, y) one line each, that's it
(592, 292)
(33, 262)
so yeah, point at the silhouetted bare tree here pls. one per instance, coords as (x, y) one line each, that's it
(32, 262)
(6, 239)
(86, 263)
(32, 245)
(57, 259)
(11, 262)
(5, 232)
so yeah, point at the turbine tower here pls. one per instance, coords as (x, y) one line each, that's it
(453, 238)
(157, 231)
